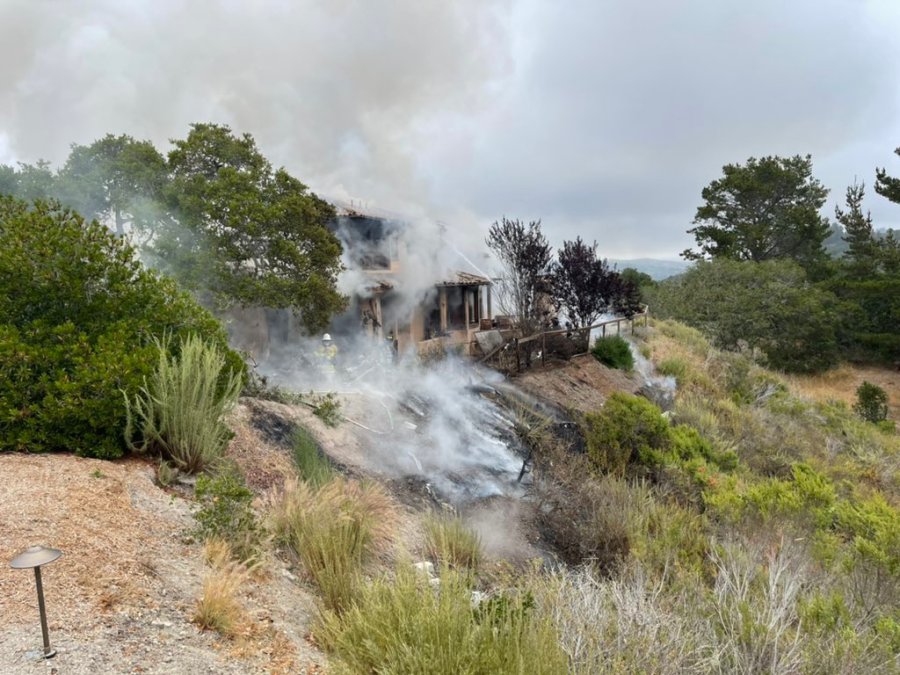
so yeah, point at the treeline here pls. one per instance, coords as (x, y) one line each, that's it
(764, 283)
(87, 328)
(213, 213)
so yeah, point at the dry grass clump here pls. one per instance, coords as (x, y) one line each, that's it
(450, 542)
(625, 625)
(756, 608)
(642, 623)
(334, 529)
(218, 607)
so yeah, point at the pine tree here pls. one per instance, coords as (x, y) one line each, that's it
(859, 234)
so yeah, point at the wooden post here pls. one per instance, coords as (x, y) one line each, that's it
(518, 366)
(604, 330)
(442, 295)
(465, 294)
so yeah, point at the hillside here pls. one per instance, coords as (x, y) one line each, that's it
(666, 534)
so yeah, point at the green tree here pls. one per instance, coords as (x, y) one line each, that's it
(118, 181)
(78, 314)
(888, 186)
(768, 308)
(248, 233)
(763, 210)
(862, 251)
(29, 181)
(9, 180)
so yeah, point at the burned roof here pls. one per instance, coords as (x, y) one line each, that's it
(465, 279)
(378, 285)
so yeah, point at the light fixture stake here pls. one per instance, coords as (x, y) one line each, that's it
(34, 557)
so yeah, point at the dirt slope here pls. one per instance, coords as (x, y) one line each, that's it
(121, 597)
(581, 384)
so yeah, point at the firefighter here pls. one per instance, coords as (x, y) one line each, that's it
(327, 355)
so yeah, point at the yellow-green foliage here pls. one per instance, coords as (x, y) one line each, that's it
(450, 542)
(407, 627)
(869, 526)
(180, 409)
(675, 367)
(334, 529)
(691, 338)
(874, 527)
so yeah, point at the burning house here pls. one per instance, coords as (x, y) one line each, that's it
(391, 300)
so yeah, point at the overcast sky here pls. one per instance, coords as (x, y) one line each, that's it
(604, 118)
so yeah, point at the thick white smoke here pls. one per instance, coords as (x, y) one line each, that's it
(440, 424)
(340, 92)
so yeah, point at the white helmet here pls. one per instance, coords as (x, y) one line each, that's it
(326, 338)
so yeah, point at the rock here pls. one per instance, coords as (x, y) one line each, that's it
(426, 568)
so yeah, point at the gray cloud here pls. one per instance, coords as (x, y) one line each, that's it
(604, 119)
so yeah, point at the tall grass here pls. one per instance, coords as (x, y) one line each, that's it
(405, 626)
(180, 409)
(333, 529)
(311, 464)
(450, 542)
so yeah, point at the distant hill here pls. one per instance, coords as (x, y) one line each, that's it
(658, 269)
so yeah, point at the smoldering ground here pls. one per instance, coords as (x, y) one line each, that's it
(438, 423)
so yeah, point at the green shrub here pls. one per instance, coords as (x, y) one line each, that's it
(180, 409)
(770, 309)
(327, 407)
(311, 464)
(627, 429)
(225, 511)
(405, 627)
(613, 351)
(77, 316)
(450, 542)
(871, 402)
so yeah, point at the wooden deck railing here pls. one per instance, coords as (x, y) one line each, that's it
(517, 354)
